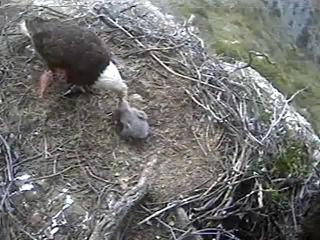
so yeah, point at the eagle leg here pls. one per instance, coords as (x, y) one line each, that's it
(70, 90)
(61, 73)
(44, 81)
(88, 89)
(74, 89)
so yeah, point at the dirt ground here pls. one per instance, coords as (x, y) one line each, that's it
(69, 144)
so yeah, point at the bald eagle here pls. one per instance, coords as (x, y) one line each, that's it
(74, 51)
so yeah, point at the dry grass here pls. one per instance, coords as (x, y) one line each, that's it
(71, 143)
(206, 118)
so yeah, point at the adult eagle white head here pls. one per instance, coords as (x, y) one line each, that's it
(76, 52)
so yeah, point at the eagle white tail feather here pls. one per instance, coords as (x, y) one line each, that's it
(24, 30)
(110, 79)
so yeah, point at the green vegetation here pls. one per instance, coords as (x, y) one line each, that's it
(233, 31)
(292, 162)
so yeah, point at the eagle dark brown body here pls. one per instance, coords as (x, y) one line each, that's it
(76, 51)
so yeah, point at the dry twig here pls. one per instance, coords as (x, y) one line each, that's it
(108, 225)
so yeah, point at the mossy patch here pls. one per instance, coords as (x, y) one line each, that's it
(292, 161)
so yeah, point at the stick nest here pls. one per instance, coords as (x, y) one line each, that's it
(62, 162)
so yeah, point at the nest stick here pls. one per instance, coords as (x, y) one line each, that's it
(108, 225)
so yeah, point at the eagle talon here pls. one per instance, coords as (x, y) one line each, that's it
(74, 89)
(71, 90)
(87, 89)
